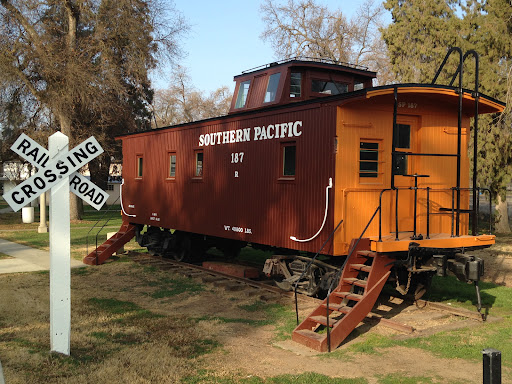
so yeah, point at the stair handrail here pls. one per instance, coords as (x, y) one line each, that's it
(103, 226)
(309, 265)
(340, 271)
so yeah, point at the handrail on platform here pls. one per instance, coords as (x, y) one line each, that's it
(109, 210)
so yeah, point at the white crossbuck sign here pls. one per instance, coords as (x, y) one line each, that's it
(52, 171)
(57, 170)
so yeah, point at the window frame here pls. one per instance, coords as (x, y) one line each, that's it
(170, 177)
(344, 84)
(402, 161)
(282, 163)
(242, 93)
(199, 176)
(275, 88)
(379, 173)
(139, 166)
(300, 94)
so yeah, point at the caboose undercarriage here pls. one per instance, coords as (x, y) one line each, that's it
(411, 270)
(183, 246)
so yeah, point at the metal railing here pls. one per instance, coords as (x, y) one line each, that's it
(110, 212)
(452, 210)
(339, 274)
(309, 265)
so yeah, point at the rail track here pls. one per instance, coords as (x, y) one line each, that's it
(265, 291)
(218, 279)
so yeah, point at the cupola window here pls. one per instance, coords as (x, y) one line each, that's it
(243, 91)
(273, 82)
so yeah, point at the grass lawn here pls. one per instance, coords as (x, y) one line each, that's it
(133, 323)
(138, 324)
(83, 235)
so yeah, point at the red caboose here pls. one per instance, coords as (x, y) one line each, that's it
(311, 158)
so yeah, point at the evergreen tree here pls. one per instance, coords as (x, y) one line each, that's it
(489, 32)
(418, 36)
(417, 41)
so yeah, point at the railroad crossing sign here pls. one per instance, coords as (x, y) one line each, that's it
(57, 172)
(51, 171)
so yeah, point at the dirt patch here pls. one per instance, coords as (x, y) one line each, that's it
(204, 327)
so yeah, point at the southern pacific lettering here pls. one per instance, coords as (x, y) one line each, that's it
(271, 131)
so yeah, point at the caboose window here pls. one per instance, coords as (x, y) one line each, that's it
(273, 82)
(288, 150)
(172, 165)
(328, 87)
(368, 159)
(295, 83)
(199, 164)
(402, 144)
(140, 162)
(243, 90)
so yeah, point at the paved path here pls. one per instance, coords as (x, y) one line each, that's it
(26, 259)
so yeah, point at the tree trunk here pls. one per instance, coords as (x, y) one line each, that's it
(99, 169)
(502, 222)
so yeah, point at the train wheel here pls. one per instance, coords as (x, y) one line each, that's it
(314, 278)
(184, 249)
(154, 239)
(311, 283)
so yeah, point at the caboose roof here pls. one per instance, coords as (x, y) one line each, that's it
(307, 62)
(440, 93)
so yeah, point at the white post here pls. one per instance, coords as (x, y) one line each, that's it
(1, 375)
(42, 214)
(60, 254)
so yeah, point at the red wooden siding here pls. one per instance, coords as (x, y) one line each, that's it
(272, 207)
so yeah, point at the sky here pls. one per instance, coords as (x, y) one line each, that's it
(224, 40)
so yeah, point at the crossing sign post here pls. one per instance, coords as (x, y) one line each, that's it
(57, 172)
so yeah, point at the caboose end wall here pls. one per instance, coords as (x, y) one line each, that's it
(426, 124)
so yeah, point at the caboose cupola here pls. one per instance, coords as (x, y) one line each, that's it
(294, 80)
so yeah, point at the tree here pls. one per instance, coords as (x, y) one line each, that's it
(417, 41)
(418, 36)
(304, 28)
(17, 115)
(489, 29)
(181, 102)
(87, 61)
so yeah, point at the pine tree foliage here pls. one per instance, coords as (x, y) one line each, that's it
(417, 42)
(418, 36)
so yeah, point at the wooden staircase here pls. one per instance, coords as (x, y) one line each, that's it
(107, 249)
(361, 282)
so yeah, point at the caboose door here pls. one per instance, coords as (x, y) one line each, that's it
(405, 165)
